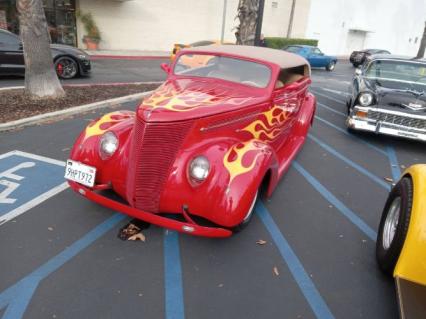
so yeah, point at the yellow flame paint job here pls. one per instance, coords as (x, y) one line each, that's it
(271, 128)
(171, 99)
(411, 264)
(235, 167)
(95, 129)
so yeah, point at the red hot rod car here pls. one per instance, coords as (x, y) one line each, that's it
(202, 144)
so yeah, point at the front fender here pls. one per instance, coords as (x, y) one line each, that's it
(224, 198)
(86, 148)
(411, 264)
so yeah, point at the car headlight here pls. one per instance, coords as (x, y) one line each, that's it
(108, 145)
(365, 99)
(82, 57)
(199, 168)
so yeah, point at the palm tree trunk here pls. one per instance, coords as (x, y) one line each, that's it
(247, 15)
(421, 52)
(41, 80)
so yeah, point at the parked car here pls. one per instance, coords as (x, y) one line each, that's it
(69, 61)
(316, 58)
(203, 144)
(358, 57)
(179, 46)
(388, 97)
(401, 241)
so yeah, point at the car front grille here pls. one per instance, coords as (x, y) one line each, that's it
(397, 119)
(153, 151)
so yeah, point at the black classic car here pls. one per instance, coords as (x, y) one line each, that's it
(358, 57)
(389, 97)
(69, 61)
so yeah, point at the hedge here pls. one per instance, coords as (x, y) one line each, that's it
(279, 43)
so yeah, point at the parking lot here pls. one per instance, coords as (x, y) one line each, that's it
(61, 258)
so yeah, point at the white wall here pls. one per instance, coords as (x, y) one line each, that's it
(392, 24)
(158, 24)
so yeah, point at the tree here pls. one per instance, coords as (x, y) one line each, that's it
(247, 15)
(41, 80)
(422, 48)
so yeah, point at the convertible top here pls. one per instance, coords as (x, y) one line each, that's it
(282, 58)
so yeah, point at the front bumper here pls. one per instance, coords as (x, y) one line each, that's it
(189, 227)
(85, 67)
(388, 122)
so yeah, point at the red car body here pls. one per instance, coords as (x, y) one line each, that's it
(248, 134)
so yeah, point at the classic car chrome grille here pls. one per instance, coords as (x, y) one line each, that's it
(152, 154)
(397, 119)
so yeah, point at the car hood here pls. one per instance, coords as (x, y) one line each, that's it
(183, 99)
(67, 49)
(401, 96)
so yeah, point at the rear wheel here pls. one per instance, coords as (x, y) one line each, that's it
(247, 219)
(66, 67)
(331, 66)
(394, 225)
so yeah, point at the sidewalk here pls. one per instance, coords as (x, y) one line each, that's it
(128, 54)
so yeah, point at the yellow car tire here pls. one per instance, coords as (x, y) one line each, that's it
(394, 225)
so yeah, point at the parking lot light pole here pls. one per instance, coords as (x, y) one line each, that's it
(225, 3)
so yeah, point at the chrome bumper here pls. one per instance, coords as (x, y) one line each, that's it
(388, 122)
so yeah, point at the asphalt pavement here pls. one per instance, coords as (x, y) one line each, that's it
(62, 258)
(107, 70)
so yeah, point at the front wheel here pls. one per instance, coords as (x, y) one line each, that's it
(331, 66)
(394, 225)
(66, 67)
(247, 219)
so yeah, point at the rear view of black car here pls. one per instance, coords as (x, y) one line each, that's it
(358, 57)
(69, 61)
(389, 97)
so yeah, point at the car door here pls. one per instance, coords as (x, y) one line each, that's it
(11, 54)
(316, 58)
(287, 101)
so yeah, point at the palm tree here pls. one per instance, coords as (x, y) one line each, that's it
(41, 80)
(247, 16)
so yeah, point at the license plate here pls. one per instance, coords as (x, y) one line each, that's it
(80, 173)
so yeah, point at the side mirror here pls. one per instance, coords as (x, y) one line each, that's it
(165, 67)
(358, 71)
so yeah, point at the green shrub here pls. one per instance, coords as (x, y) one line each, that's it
(92, 30)
(279, 43)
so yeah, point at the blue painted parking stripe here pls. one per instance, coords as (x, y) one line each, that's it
(359, 168)
(312, 295)
(351, 136)
(342, 208)
(18, 296)
(331, 109)
(396, 171)
(173, 276)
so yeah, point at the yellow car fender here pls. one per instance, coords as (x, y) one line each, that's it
(411, 263)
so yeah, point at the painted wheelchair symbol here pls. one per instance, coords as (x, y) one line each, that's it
(11, 186)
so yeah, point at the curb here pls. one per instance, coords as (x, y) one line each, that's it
(70, 111)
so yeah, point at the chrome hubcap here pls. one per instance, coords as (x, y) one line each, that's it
(391, 223)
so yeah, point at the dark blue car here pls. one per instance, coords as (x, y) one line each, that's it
(315, 57)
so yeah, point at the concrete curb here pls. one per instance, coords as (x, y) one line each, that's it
(70, 111)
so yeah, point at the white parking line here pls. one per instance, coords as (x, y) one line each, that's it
(32, 203)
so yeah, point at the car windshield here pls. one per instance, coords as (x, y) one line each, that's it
(401, 71)
(225, 68)
(293, 49)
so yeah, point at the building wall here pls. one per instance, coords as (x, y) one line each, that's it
(342, 25)
(158, 24)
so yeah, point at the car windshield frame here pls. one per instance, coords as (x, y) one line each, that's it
(247, 60)
(379, 76)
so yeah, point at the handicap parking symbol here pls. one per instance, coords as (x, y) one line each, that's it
(26, 180)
